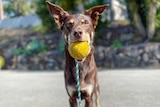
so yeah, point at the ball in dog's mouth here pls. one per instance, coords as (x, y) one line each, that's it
(79, 50)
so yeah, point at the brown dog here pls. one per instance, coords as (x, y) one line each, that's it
(79, 27)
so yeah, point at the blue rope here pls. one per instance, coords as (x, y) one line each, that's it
(78, 85)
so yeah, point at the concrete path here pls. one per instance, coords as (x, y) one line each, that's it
(119, 88)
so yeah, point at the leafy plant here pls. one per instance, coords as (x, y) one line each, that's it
(17, 51)
(116, 44)
(158, 19)
(157, 36)
(34, 46)
(13, 8)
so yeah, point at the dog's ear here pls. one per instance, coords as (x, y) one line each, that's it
(57, 13)
(94, 13)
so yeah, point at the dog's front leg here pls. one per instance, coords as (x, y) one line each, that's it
(97, 99)
(89, 102)
(73, 102)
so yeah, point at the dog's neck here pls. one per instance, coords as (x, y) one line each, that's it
(84, 68)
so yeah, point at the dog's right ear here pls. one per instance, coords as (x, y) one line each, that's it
(94, 13)
(57, 13)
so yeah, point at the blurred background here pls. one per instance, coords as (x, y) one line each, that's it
(127, 35)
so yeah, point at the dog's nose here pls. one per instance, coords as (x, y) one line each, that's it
(78, 34)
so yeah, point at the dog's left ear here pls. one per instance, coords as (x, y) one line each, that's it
(57, 13)
(94, 13)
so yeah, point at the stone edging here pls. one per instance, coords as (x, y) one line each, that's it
(134, 56)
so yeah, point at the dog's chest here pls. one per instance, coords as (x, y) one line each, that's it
(87, 88)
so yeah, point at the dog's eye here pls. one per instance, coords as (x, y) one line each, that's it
(85, 22)
(70, 24)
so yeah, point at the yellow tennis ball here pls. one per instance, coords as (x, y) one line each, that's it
(2, 62)
(79, 50)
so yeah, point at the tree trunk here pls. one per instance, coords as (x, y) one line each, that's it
(133, 9)
(138, 23)
(1, 10)
(112, 14)
(151, 20)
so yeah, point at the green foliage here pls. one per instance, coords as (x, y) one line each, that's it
(101, 24)
(40, 28)
(18, 51)
(68, 5)
(157, 36)
(34, 46)
(117, 44)
(47, 20)
(158, 19)
(14, 8)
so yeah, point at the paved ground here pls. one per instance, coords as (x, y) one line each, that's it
(124, 88)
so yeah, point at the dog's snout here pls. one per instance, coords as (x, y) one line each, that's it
(78, 33)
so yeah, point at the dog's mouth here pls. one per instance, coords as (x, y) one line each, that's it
(80, 60)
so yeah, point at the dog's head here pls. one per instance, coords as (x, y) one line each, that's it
(78, 27)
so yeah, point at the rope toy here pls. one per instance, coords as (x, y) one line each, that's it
(78, 85)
